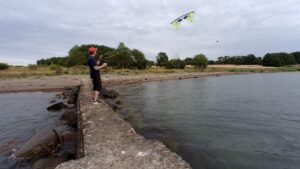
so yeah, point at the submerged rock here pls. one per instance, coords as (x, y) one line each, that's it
(71, 100)
(109, 93)
(57, 106)
(7, 146)
(111, 104)
(52, 101)
(49, 163)
(70, 116)
(45, 142)
(120, 101)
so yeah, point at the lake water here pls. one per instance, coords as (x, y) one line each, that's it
(233, 122)
(22, 115)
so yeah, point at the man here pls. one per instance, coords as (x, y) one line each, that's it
(95, 74)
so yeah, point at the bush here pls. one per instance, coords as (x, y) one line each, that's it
(57, 68)
(200, 61)
(3, 66)
(278, 59)
(175, 64)
(53, 66)
(32, 67)
(296, 56)
(162, 59)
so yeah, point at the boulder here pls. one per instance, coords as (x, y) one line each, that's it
(49, 163)
(57, 106)
(8, 146)
(109, 93)
(43, 143)
(71, 99)
(119, 101)
(111, 104)
(69, 115)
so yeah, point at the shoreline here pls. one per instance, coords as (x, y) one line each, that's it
(58, 83)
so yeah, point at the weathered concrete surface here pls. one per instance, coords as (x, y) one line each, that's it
(110, 142)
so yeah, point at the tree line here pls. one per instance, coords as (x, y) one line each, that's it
(199, 61)
(121, 57)
(124, 57)
(270, 59)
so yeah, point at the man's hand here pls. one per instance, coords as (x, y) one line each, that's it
(104, 65)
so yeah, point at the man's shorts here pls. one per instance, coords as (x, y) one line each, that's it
(97, 85)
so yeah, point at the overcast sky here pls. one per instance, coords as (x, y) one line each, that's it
(35, 29)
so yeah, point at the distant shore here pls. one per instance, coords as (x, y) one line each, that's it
(35, 80)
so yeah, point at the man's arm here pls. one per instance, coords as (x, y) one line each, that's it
(100, 67)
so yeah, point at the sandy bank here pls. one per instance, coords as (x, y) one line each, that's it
(57, 83)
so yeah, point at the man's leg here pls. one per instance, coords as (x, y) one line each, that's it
(96, 88)
(92, 94)
(96, 95)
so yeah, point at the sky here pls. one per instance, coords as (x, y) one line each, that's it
(35, 29)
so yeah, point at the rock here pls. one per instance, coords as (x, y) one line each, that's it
(58, 96)
(52, 101)
(71, 100)
(120, 101)
(107, 93)
(7, 146)
(69, 136)
(57, 106)
(68, 91)
(75, 90)
(70, 116)
(43, 143)
(68, 88)
(49, 163)
(111, 104)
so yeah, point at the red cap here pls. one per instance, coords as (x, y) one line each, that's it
(92, 50)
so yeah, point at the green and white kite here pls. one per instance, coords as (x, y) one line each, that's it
(188, 16)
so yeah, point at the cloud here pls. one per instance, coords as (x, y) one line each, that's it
(34, 29)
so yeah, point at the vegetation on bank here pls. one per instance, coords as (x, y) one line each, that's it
(53, 70)
(122, 57)
(270, 59)
(3, 66)
(123, 60)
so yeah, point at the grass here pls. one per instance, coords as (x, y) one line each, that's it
(53, 70)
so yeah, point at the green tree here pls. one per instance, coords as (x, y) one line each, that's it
(278, 59)
(188, 61)
(200, 61)
(150, 63)
(76, 57)
(123, 56)
(162, 59)
(296, 56)
(139, 59)
(3, 66)
(176, 64)
(271, 60)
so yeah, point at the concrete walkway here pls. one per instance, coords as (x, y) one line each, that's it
(110, 142)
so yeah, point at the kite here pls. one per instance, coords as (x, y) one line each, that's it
(188, 16)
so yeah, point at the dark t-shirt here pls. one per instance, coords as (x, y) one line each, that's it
(92, 62)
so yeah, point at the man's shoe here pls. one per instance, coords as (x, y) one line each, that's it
(95, 102)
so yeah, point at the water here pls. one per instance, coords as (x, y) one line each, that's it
(233, 122)
(22, 116)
